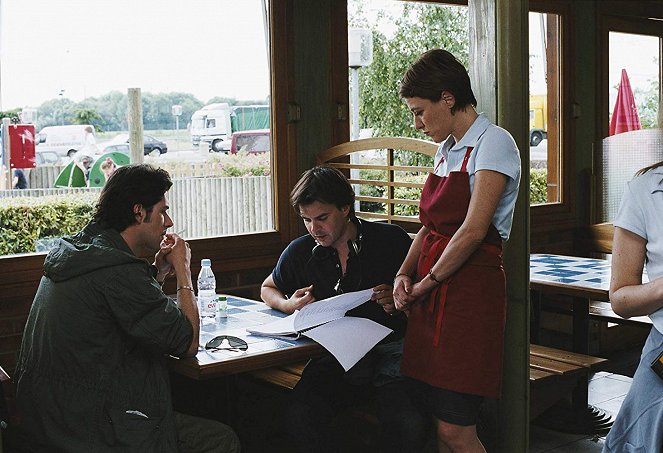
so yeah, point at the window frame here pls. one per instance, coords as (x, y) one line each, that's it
(253, 250)
(560, 215)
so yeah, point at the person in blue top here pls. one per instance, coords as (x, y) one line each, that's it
(638, 242)
(452, 281)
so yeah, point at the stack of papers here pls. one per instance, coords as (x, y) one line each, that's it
(324, 321)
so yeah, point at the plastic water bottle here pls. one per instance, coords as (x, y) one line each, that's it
(207, 299)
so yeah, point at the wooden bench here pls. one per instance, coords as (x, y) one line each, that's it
(553, 374)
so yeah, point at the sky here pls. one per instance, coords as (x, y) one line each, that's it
(90, 47)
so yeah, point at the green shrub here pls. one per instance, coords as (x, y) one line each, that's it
(538, 183)
(26, 219)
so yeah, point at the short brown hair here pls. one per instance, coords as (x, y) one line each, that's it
(324, 184)
(436, 71)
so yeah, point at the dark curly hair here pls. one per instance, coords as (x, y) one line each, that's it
(324, 184)
(128, 186)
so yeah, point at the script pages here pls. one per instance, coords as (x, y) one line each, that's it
(324, 321)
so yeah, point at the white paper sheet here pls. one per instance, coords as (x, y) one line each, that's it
(326, 310)
(312, 315)
(348, 338)
(284, 327)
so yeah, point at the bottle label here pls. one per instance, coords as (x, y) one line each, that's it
(207, 302)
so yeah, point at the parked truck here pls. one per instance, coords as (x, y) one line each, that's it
(215, 123)
(538, 117)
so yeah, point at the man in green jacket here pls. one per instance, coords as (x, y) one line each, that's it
(91, 374)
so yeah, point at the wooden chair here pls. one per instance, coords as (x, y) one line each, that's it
(374, 166)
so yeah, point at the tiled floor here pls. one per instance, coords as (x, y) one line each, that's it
(606, 391)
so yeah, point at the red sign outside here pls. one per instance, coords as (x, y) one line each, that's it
(22, 145)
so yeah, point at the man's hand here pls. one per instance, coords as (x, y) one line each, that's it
(383, 295)
(173, 254)
(164, 268)
(299, 299)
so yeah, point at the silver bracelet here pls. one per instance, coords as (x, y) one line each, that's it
(190, 288)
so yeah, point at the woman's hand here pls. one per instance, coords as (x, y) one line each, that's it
(406, 293)
(402, 292)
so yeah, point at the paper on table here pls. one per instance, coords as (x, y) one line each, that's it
(326, 310)
(284, 327)
(348, 338)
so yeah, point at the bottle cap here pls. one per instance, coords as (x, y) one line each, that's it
(206, 262)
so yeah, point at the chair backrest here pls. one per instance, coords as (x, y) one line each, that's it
(386, 175)
(595, 238)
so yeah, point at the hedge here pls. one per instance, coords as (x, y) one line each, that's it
(26, 219)
(538, 184)
(23, 220)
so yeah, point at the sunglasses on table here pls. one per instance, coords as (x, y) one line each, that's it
(226, 343)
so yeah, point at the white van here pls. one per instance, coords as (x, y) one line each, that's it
(64, 140)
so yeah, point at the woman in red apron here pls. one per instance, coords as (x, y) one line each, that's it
(452, 281)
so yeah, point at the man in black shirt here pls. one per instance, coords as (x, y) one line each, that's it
(340, 254)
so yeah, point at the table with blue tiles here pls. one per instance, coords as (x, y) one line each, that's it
(583, 279)
(263, 352)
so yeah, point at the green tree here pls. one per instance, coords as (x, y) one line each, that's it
(648, 105)
(419, 28)
(11, 114)
(87, 116)
(235, 101)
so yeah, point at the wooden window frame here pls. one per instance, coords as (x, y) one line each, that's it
(560, 215)
(229, 253)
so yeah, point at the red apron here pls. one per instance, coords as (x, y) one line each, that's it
(455, 337)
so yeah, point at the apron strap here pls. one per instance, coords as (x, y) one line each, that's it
(463, 168)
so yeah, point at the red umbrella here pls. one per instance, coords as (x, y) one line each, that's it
(625, 115)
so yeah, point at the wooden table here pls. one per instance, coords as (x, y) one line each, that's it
(263, 352)
(583, 279)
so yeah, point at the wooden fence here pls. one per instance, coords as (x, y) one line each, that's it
(203, 207)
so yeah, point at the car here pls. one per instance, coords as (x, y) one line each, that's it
(47, 158)
(151, 145)
(252, 141)
(119, 148)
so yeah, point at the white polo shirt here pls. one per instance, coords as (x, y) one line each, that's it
(494, 149)
(641, 213)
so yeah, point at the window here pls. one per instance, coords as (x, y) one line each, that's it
(182, 61)
(398, 32)
(632, 86)
(545, 105)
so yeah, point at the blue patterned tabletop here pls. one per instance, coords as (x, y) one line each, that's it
(570, 270)
(242, 313)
